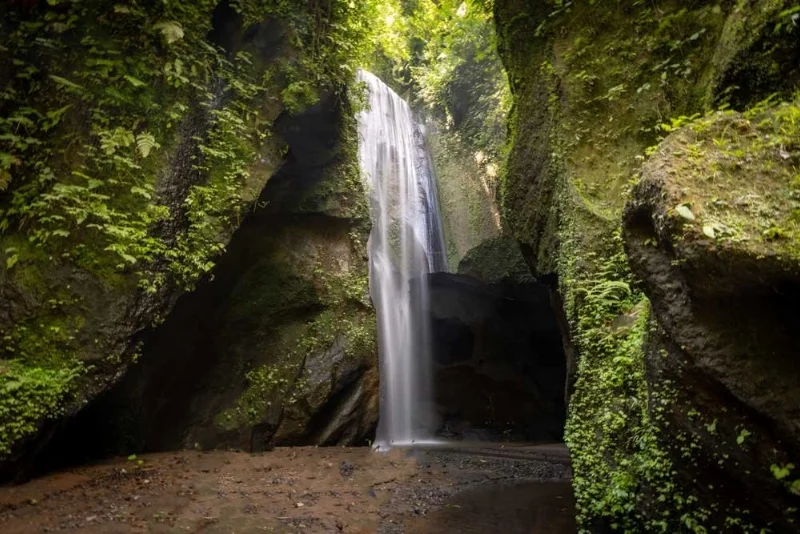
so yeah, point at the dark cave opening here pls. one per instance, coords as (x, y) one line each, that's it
(499, 365)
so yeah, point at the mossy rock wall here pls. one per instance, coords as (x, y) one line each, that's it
(712, 230)
(467, 185)
(279, 347)
(495, 261)
(595, 86)
(134, 139)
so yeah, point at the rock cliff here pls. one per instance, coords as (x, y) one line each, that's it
(669, 395)
(134, 141)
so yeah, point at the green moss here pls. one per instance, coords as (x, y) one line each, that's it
(734, 176)
(593, 82)
(307, 302)
(496, 260)
(281, 383)
(30, 394)
(340, 190)
(130, 147)
(46, 339)
(467, 184)
(265, 386)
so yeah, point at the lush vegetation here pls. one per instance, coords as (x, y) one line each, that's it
(93, 108)
(442, 56)
(132, 139)
(596, 84)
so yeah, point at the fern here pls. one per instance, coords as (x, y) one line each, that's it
(111, 140)
(65, 82)
(605, 293)
(145, 143)
(172, 31)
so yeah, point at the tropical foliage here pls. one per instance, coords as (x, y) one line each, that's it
(131, 134)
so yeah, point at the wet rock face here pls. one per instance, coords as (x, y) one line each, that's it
(500, 367)
(279, 347)
(714, 237)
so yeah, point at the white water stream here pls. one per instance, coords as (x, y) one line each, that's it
(406, 244)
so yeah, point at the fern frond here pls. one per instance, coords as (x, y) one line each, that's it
(145, 143)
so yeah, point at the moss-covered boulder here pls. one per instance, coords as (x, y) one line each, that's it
(713, 231)
(134, 139)
(596, 85)
(496, 260)
(722, 194)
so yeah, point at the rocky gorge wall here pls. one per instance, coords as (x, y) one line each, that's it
(683, 413)
(467, 185)
(135, 140)
(279, 347)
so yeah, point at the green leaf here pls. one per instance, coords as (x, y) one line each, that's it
(135, 81)
(172, 31)
(12, 261)
(684, 211)
(712, 427)
(141, 192)
(742, 436)
(781, 472)
(65, 82)
(55, 116)
(708, 230)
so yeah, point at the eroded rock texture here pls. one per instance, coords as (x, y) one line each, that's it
(712, 231)
(596, 88)
(279, 348)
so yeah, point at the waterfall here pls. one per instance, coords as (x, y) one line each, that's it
(406, 244)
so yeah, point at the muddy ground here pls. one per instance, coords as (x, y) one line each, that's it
(309, 490)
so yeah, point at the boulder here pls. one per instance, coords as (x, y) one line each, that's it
(147, 136)
(712, 230)
(496, 260)
(596, 86)
(134, 174)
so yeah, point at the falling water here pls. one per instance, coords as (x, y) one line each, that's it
(406, 243)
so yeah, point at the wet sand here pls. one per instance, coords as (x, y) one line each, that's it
(288, 490)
